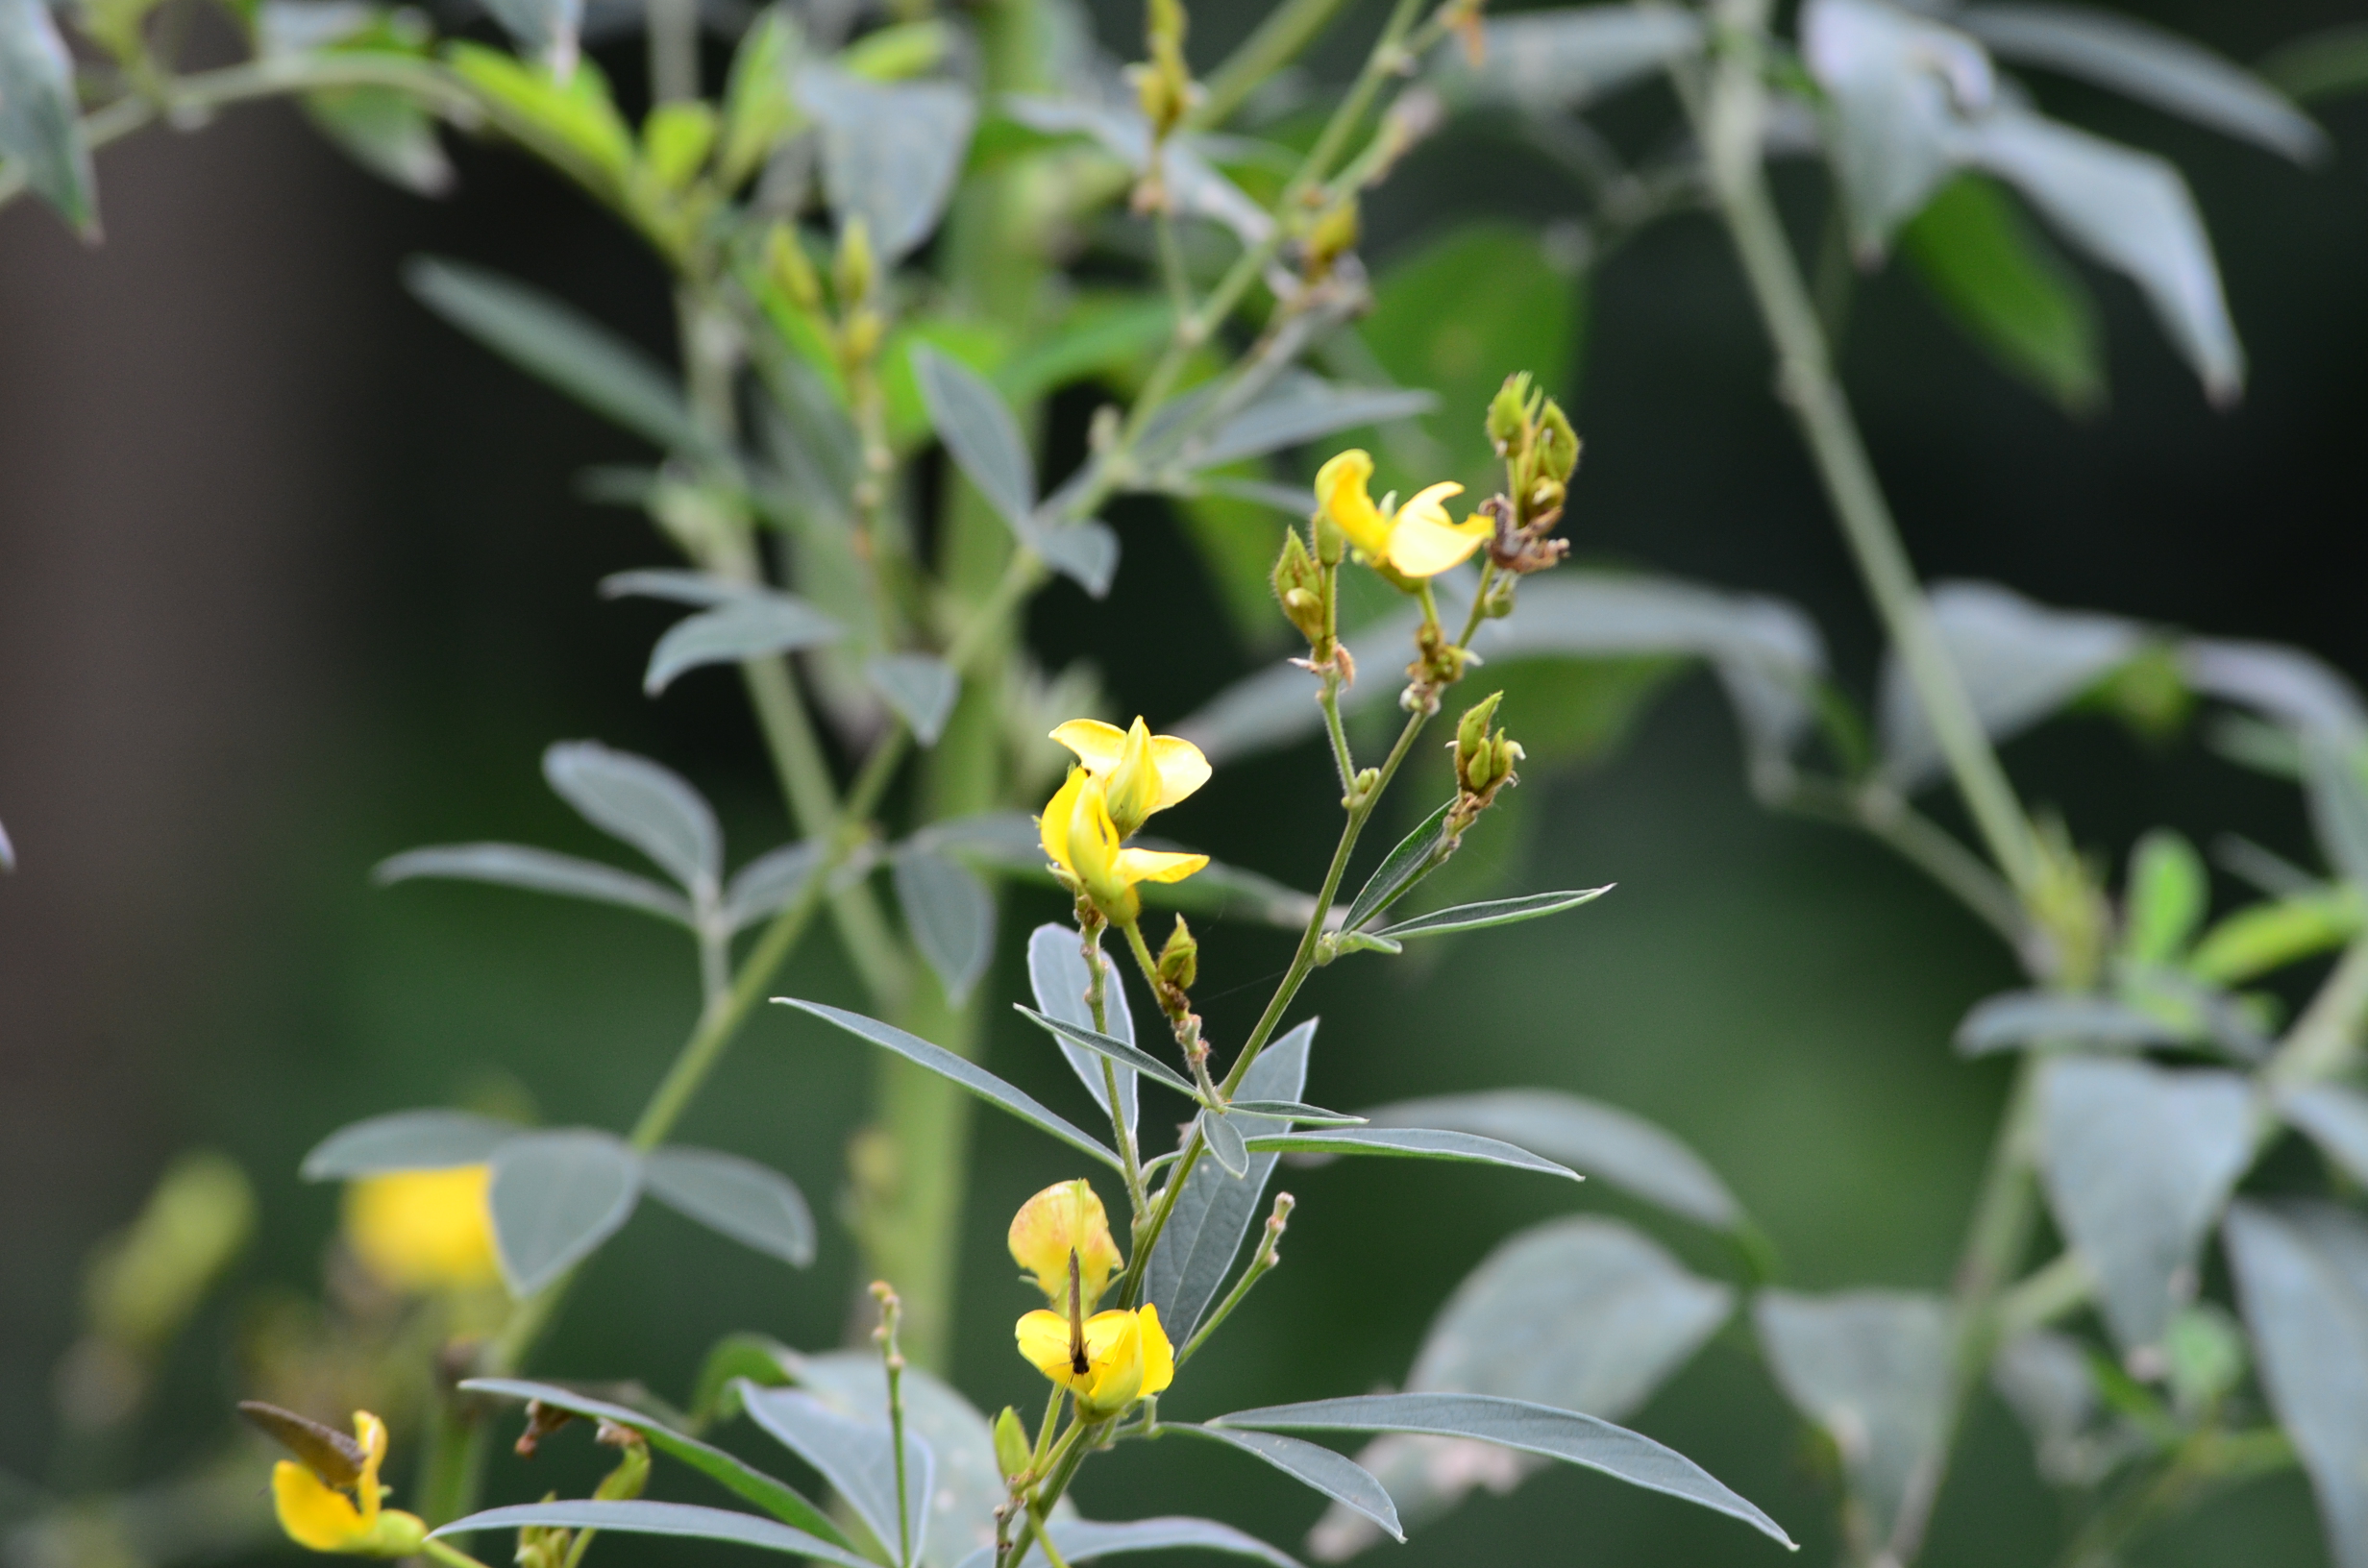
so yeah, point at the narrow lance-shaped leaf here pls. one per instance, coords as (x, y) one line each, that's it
(2029, 1017)
(1479, 916)
(1990, 268)
(1408, 1144)
(858, 1459)
(556, 1197)
(1533, 1429)
(1117, 1050)
(1405, 865)
(407, 1141)
(1336, 1476)
(775, 1497)
(754, 1205)
(539, 870)
(643, 1517)
(561, 346)
(970, 416)
(1057, 974)
(970, 1076)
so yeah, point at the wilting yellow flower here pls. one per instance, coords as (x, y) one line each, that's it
(424, 1230)
(1416, 540)
(1119, 1358)
(324, 1517)
(1066, 1220)
(1139, 772)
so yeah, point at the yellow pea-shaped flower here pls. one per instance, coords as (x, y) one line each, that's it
(1416, 540)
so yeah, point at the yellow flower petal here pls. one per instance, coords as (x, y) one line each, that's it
(1052, 827)
(1341, 491)
(1126, 1354)
(1158, 1355)
(424, 1230)
(1065, 1218)
(1093, 846)
(1044, 1344)
(1097, 744)
(1131, 789)
(1420, 547)
(313, 1514)
(1135, 865)
(1182, 768)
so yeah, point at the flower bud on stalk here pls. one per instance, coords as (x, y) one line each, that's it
(1483, 759)
(854, 270)
(625, 1481)
(790, 270)
(1012, 1452)
(1298, 586)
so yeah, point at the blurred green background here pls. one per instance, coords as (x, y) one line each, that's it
(293, 577)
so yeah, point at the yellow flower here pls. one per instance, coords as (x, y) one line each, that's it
(1082, 839)
(1108, 1362)
(324, 1517)
(1139, 772)
(1416, 540)
(424, 1230)
(1066, 1220)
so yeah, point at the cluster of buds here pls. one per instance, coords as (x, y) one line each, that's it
(1164, 90)
(849, 318)
(1533, 435)
(550, 1546)
(1485, 759)
(1306, 584)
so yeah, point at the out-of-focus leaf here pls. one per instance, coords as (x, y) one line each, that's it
(544, 870)
(545, 29)
(2004, 284)
(2137, 1160)
(2020, 661)
(643, 1517)
(1057, 974)
(1223, 1133)
(1580, 1313)
(950, 914)
(2044, 1378)
(972, 1077)
(764, 887)
(569, 120)
(1351, 1488)
(407, 1141)
(1078, 1540)
(1404, 866)
(8, 853)
(1193, 184)
(2015, 1018)
(1086, 552)
(1194, 1253)
(386, 133)
(703, 589)
(1533, 1429)
(1098, 334)
(2325, 64)
(968, 1485)
(2336, 1119)
(2337, 776)
(1297, 408)
(2260, 938)
(2150, 64)
(561, 346)
(650, 807)
(857, 1455)
(1871, 1367)
(2301, 1277)
(1596, 1140)
(751, 625)
(756, 1207)
(775, 1497)
(758, 112)
(1897, 88)
(890, 151)
(1408, 1144)
(556, 1197)
(980, 433)
(1439, 922)
(41, 127)
(1121, 1051)
(1551, 61)
(2169, 892)
(2130, 210)
(2294, 688)
(919, 688)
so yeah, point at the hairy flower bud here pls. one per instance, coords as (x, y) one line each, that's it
(1011, 1446)
(1508, 421)
(1298, 584)
(1558, 445)
(1483, 759)
(1179, 960)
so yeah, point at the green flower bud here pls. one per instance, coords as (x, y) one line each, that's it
(1298, 584)
(1508, 421)
(1011, 1449)
(854, 269)
(1558, 445)
(791, 272)
(1331, 540)
(1471, 732)
(625, 1483)
(676, 141)
(1179, 960)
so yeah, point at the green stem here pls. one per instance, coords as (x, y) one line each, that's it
(1288, 29)
(452, 1556)
(2325, 1040)
(1097, 1000)
(457, 1449)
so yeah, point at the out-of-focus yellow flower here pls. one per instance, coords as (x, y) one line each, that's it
(424, 1230)
(1416, 540)
(1118, 1357)
(327, 1518)
(1139, 772)
(1064, 1221)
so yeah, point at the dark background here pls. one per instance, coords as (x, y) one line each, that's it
(292, 577)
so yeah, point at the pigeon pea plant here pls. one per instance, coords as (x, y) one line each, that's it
(875, 231)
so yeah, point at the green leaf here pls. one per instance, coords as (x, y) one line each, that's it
(545, 28)
(386, 133)
(856, 1455)
(1213, 1211)
(980, 435)
(950, 914)
(1479, 916)
(1296, 410)
(1121, 1051)
(758, 113)
(561, 346)
(1870, 1367)
(2335, 775)
(1098, 336)
(919, 688)
(2260, 938)
(1409, 1143)
(2152, 66)
(2336, 1119)
(754, 1205)
(2138, 1161)
(890, 151)
(1553, 61)
(1057, 974)
(1080, 1539)
(646, 1518)
(969, 1484)
(2301, 1277)
(2006, 287)
(542, 870)
(1336, 1476)
(40, 129)
(1086, 552)
(652, 808)
(776, 1498)
(407, 1141)
(2169, 892)
(765, 886)
(1893, 81)
(976, 1079)
(556, 1197)
(1532, 1429)
(1600, 1139)
(2015, 1018)
(1228, 1144)
(2332, 63)
(1306, 1115)
(752, 624)
(1404, 866)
